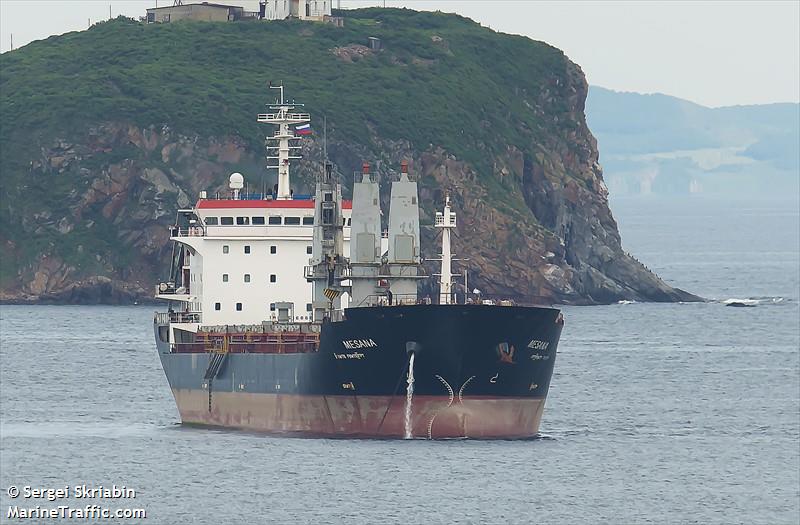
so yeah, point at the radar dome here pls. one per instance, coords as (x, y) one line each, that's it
(236, 181)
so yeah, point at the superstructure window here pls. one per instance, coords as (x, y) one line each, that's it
(308, 221)
(247, 277)
(273, 278)
(258, 221)
(224, 277)
(217, 306)
(212, 221)
(271, 307)
(275, 220)
(247, 249)
(309, 250)
(291, 221)
(273, 249)
(226, 221)
(242, 221)
(349, 220)
(308, 307)
(226, 248)
(238, 307)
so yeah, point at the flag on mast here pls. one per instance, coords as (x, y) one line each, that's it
(304, 129)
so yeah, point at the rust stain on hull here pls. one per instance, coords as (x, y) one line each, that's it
(363, 416)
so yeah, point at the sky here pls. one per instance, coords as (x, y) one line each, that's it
(713, 53)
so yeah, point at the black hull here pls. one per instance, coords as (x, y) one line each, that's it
(479, 371)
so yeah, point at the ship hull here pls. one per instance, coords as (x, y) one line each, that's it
(479, 372)
(432, 417)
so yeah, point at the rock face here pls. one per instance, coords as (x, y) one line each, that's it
(87, 220)
(571, 253)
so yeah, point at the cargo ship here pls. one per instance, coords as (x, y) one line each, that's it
(300, 315)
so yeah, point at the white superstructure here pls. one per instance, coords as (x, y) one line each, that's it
(244, 259)
(239, 259)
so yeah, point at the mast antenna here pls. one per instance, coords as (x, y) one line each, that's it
(279, 87)
(282, 146)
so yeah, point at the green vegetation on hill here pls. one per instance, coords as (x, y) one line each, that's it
(211, 78)
(440, 80)
(105, 132)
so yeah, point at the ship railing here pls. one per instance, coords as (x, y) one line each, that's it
(269, 343)
(194, 231)
(169, 288)
(256, 196)
(439, 220)
(292, 347)
(283, 116)
(163, 318)
(265, 327)
(393, 270)
(384, 299)
(308, 272)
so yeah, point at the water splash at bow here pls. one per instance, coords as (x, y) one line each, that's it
(409, 397)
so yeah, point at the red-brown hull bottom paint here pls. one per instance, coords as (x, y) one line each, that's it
(432, 417)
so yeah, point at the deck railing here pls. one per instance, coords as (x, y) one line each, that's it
(308, 272)
(194, 231)
(396, 300)
(265, 343)
(278, 117)
(163, 318)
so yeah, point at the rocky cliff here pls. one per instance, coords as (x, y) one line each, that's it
(92, 180)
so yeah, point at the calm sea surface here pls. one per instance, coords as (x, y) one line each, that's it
(658, 413)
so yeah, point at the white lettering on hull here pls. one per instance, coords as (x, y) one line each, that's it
(353, 355)
(355, 344)
(538, 345)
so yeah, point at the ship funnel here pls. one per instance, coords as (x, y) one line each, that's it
(404, 170)
(365, 172)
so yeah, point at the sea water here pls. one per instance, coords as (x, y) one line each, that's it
(658, 413)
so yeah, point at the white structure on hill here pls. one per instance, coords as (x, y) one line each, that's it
(302, 9)
(316, 10)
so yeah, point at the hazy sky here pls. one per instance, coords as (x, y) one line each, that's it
(714, 53)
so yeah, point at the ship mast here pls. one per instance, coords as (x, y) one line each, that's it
(284, 115)
(446, 221)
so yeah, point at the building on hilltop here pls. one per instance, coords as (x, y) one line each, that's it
(316, 10)
(207, 12)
